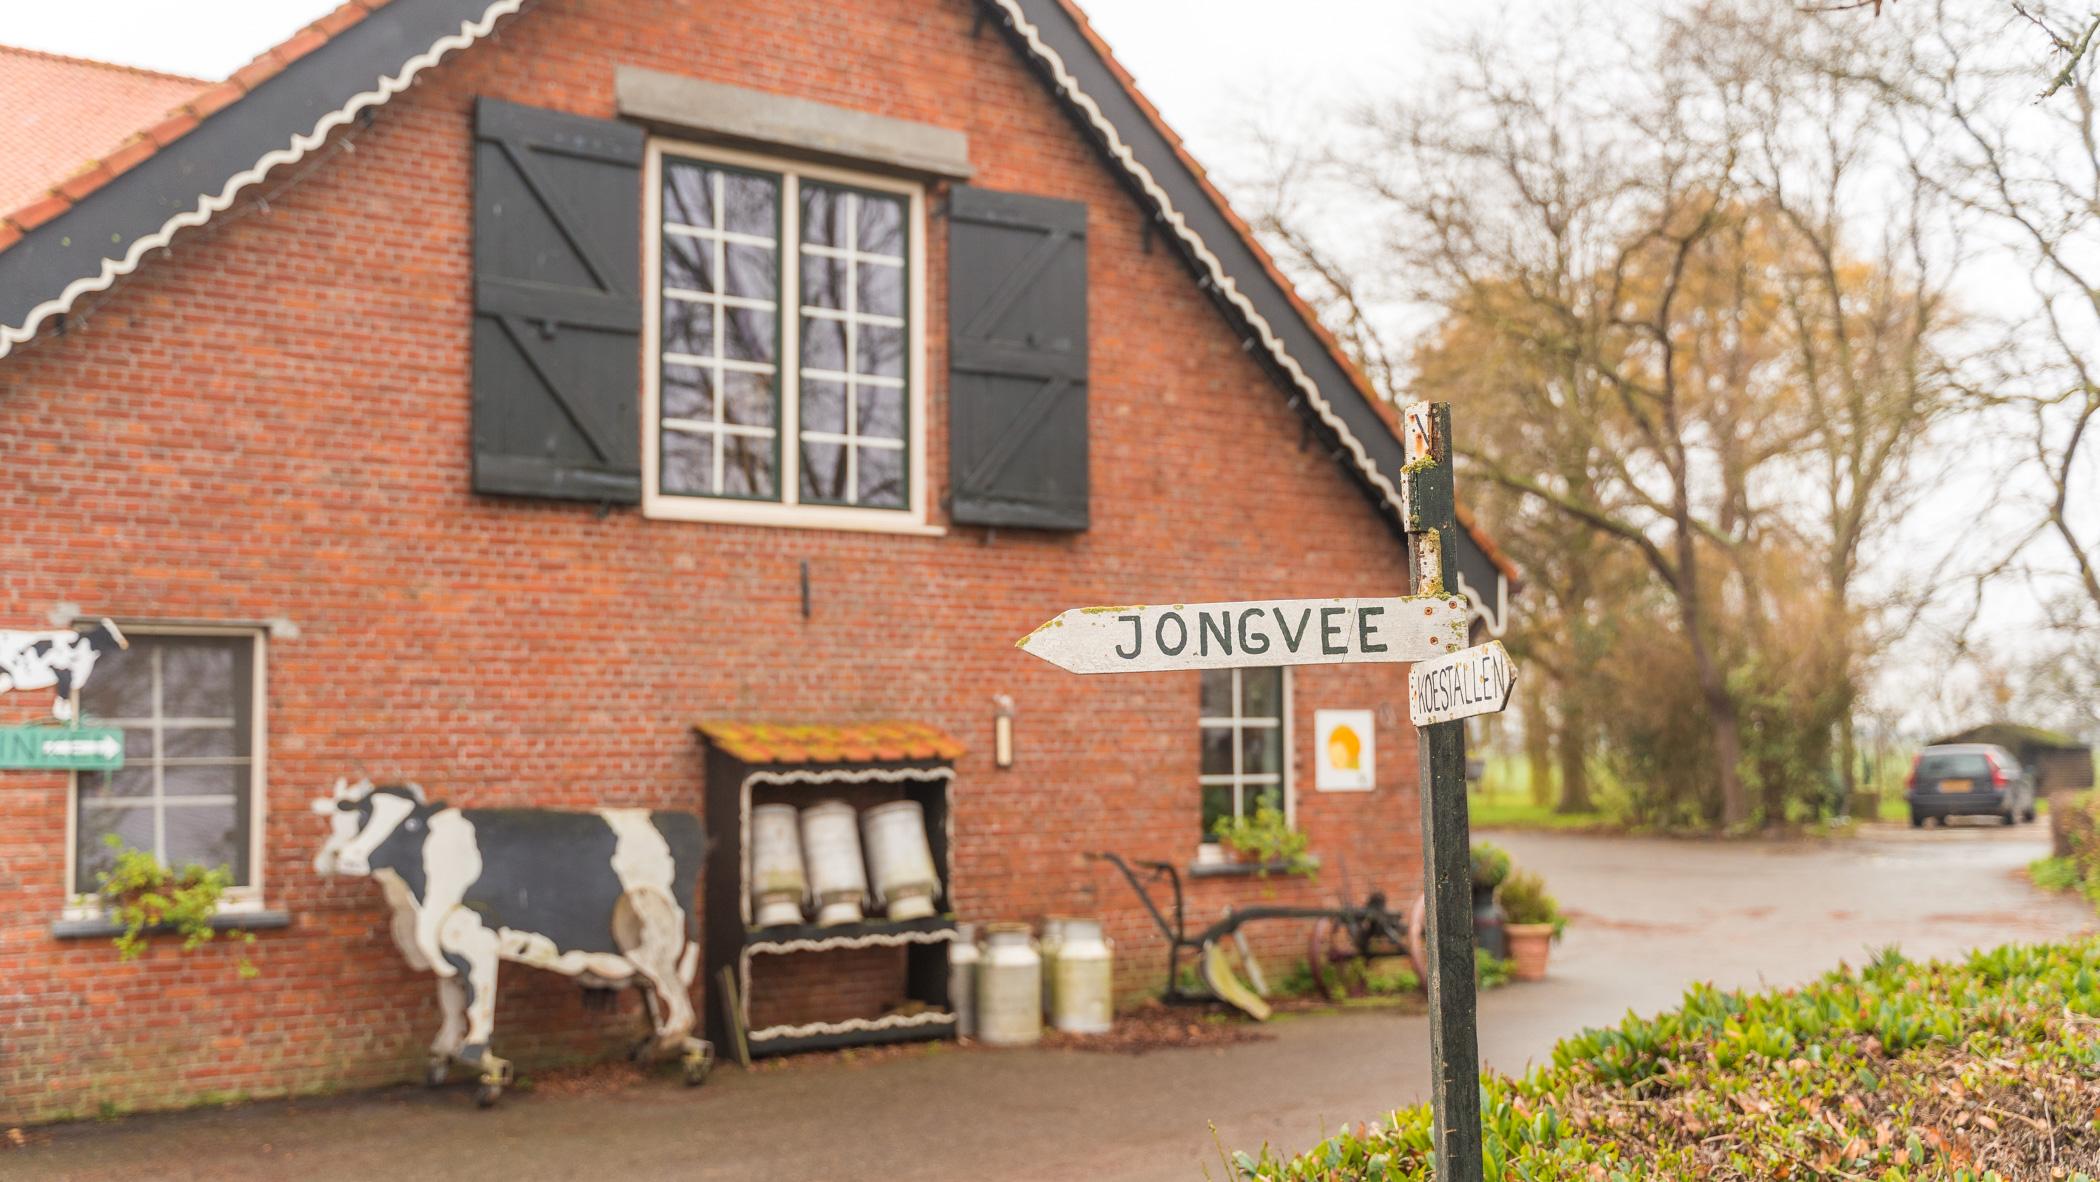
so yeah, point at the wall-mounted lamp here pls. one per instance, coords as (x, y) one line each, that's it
(1003, 731)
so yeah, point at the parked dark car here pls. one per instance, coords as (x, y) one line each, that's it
(1968, 780)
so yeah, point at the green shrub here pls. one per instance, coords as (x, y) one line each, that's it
(2081, 870)
(1490, 864)
(1983, 1070)
(2054, 874)
(1395, 980)
(1490, 971)
(1524, 900)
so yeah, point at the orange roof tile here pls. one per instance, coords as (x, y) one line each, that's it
(74, 125)
(856, 742)
(66, 112)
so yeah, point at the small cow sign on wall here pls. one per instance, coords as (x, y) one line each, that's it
(604, 896)
(58, 660)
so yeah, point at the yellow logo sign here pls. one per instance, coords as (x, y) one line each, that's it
(1344, 749)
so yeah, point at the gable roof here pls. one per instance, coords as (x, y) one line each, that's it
(63, 110)
(100, 224)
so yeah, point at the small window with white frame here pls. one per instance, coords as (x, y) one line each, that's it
(786, 341)
(190, 704)
(1245, 732)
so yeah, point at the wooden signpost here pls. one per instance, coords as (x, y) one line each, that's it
(1150, 639)
(1459, 685)
(1449, 683)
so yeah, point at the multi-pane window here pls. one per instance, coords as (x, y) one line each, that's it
(186, 793)
(720, 375)
(853, 364)
(784, 338)
(1243, 766)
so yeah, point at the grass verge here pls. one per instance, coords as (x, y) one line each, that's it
(1986, 1070)
(1488, 812)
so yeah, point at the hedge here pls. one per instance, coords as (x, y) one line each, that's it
(1986, 1069)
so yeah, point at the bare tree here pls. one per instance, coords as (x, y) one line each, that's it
(2029, 174)
(1805, 102)
(2068, 32)
(1641, 275)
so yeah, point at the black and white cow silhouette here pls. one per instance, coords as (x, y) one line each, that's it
(58, 660)
(604, 896)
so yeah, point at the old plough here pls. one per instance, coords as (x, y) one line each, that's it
(1340, 936)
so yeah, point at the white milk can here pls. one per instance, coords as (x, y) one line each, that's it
(899, 859)
(1053, 935)
(1009, 987)
(778, 884)
(831, 844)
(1086, 976)
(962, 979)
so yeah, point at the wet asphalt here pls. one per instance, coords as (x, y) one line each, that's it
(1650, 917)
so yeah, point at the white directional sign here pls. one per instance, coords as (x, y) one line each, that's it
(1471, 681)
(1149, 639)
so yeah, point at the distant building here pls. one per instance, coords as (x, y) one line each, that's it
(2058, 762)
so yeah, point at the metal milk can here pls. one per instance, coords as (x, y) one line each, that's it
(778, 884)
(963, 957)
(1085, 989)
(1009, 987)
(831, 844)
(900, 860)
(1053, 935)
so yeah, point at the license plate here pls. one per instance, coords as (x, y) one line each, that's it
(1957, 785)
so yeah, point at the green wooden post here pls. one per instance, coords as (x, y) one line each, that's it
(1447, 864)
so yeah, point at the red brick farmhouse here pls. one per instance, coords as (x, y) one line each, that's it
(492, 394)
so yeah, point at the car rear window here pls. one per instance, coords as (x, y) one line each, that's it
(1954, 766)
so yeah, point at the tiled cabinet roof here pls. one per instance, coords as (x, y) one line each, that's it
(857, 742)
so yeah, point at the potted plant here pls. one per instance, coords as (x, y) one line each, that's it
(1490, 867)
(1535, 922)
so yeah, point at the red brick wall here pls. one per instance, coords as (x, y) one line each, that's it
(272, 423)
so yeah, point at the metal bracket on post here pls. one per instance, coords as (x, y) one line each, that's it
(1454, 1040)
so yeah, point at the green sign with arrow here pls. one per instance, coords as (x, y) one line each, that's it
(51, 748)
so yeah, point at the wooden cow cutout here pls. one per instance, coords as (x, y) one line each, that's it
(58, 660)
(604, 896)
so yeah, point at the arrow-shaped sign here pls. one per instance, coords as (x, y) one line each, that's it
(1472, 681)
(105, 747)
(1149, 639)
(99, 749)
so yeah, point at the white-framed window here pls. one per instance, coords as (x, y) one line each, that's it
(190, 702)
(1246, 732)
(784, 375)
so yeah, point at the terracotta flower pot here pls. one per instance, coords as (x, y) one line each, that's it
(1529, 944)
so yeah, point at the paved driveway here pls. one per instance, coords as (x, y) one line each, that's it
(1652, 916)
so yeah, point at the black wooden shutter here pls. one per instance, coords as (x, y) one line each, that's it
(1017, 360)
(557, 304)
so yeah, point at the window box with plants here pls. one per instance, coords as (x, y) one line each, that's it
(142, 897)
(1260, 845)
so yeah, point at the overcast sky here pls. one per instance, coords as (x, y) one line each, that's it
(1197, 59)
